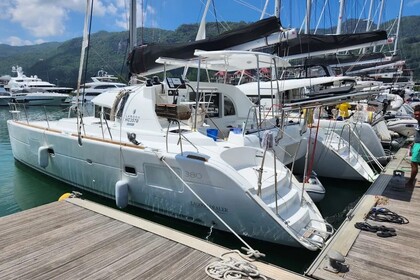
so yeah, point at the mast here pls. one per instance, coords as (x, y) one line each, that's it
(308, 17)
(277, 7)
(85, 44)
(369, 19)
(132, 29)
(380, 15)
(132, 33)
(340, 17)
(398, 28)
(379, 19)
(368, 24)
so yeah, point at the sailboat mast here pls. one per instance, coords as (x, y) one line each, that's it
(308, 17)
(369, 20)
(132, 32)
(340, 17)
(380, 15)
(85, 44)
(379, 19)
(132, 25)
(277, 7)
(398, 27)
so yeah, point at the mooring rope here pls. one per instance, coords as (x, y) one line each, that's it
(231, 268)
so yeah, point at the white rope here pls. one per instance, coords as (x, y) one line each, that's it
(231, 268)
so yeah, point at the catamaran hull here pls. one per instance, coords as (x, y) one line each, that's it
(333, 157)
(361, 136)
(97, 166)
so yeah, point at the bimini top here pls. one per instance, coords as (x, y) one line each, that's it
(227, 60)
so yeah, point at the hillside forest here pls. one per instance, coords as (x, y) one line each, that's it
(58, 62)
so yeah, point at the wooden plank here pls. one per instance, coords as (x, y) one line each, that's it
(371, 256)
(35, 261)
(214, 250)
(64, 240)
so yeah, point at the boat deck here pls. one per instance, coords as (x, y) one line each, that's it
(78, 239)
(368, 256)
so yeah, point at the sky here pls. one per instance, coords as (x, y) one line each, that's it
(29, 22)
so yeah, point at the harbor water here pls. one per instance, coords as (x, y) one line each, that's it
(22, 188)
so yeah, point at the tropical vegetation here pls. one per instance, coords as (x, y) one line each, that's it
(58, 62)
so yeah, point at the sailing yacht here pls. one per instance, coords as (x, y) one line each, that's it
(140, 150)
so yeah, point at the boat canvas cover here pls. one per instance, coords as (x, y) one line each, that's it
(307, 43)
(143, 58)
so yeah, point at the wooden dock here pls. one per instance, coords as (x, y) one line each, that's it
(368, 256)
(78, 239)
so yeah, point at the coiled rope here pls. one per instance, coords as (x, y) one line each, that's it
(231, 268)
(386, 215)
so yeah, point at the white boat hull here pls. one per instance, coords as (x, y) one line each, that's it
(4, 101)
(92, 166)
(43, 99)
(360, 136)
(403, 126)
(335, 158)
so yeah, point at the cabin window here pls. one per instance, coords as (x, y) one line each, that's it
(212, 103)
(104, 86)
(107, 112)
(229, 108)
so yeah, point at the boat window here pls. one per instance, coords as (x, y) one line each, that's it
(104, 86)
(229, 108)
(107, 112)
(211, 104)
(316, 71)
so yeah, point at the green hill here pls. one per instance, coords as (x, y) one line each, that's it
(59, 62)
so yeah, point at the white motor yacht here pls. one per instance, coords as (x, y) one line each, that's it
(32, 83)
(41, 98)
(33, 91)
(100, 83)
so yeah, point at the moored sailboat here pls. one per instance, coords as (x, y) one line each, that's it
(147, 158)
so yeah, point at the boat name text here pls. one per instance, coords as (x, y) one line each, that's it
(132, 119)
(215, 208)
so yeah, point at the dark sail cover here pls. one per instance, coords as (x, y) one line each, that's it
(306, 43)
(143, 58)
